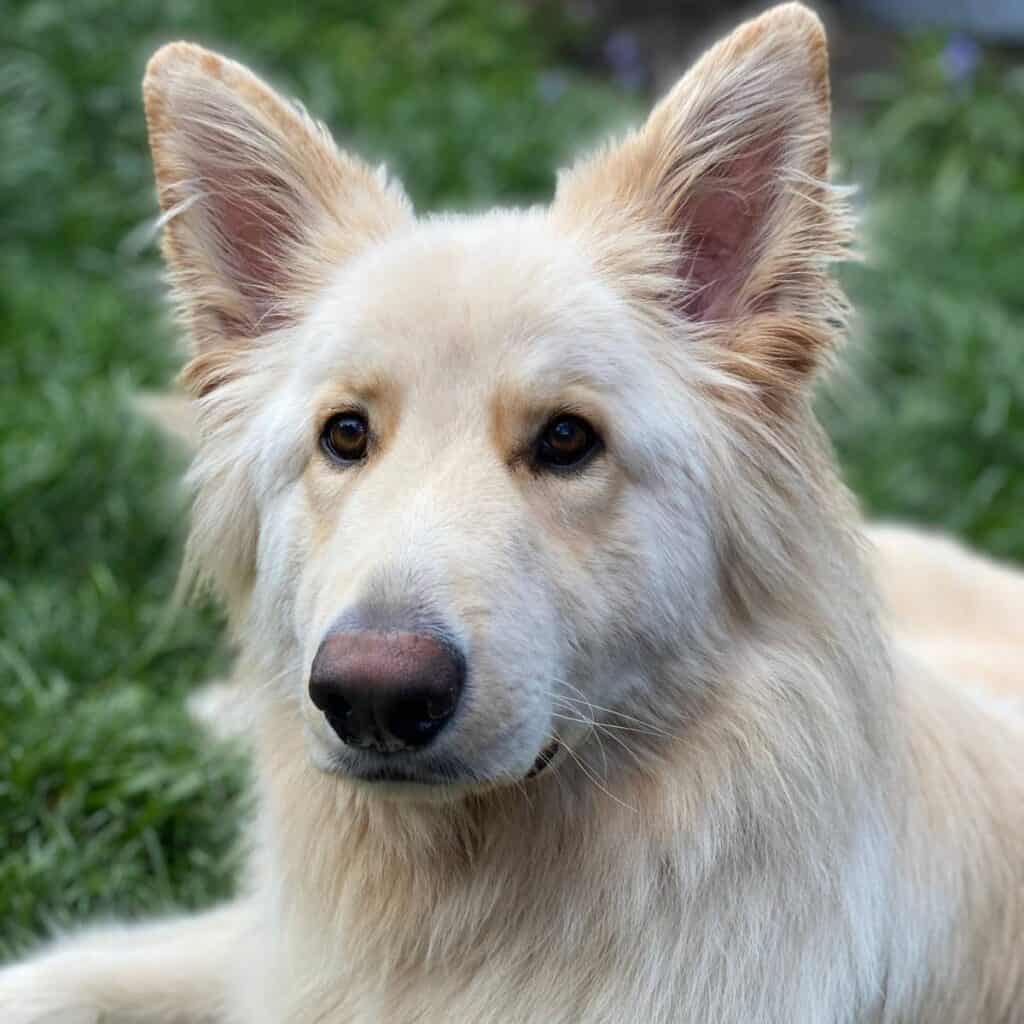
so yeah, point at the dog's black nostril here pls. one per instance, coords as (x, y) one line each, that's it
(337, 710)
(443, 706)
(337, 706)
(418, 719)
(386, 691)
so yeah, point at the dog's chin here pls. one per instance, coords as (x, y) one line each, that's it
(399, 790)
(444, 780)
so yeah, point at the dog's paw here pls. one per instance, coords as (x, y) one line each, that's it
(31, 994)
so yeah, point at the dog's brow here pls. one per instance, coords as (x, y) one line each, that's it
(345, 383)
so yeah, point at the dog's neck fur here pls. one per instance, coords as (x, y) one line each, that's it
(516, 880)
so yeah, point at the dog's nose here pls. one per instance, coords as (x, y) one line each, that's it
(386, 691)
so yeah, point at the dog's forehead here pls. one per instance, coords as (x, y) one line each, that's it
(469, 291)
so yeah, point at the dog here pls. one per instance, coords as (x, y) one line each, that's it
(573, 695)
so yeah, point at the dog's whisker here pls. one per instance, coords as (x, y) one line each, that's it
(618, 739)
(598, 729)
(614, 725)
(584, 699)
(597, 782)
(601, 729)
(570, 718)
(645, 731)
(612, 711)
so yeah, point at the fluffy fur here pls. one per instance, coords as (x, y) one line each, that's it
(763, 809)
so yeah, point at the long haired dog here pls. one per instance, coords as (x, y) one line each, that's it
(573, 703)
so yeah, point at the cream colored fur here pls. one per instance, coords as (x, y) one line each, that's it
(765, 809)
(957, 610)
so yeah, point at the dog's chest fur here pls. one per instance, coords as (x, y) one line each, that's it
(549, 905)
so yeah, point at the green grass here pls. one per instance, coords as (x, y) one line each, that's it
(110, 802)
(929, 419)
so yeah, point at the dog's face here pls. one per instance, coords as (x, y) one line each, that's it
(459, 471)
(481, 452)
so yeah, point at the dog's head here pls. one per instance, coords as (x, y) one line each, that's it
(462, 476)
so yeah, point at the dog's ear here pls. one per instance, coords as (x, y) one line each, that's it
(724, 193)
(259, 205)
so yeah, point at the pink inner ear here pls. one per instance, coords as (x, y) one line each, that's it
(721, 222)
(248, 209)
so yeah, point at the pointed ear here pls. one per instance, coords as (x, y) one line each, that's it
(725, 191)
(259, 206)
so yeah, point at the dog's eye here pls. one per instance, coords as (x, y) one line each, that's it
(566, 441)
(346, 436)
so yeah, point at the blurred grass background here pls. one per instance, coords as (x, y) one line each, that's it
(110, 801)
(929, 418)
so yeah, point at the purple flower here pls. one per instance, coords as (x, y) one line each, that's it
(960, 59)
(622, 52)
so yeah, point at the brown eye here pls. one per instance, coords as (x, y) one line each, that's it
(345, 437)
(566, 442)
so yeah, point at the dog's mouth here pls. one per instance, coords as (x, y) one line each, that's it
(544, 759)
(445, 774)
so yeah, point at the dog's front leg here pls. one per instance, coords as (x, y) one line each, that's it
(177, 971)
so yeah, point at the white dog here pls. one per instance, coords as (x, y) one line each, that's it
(572, 699)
